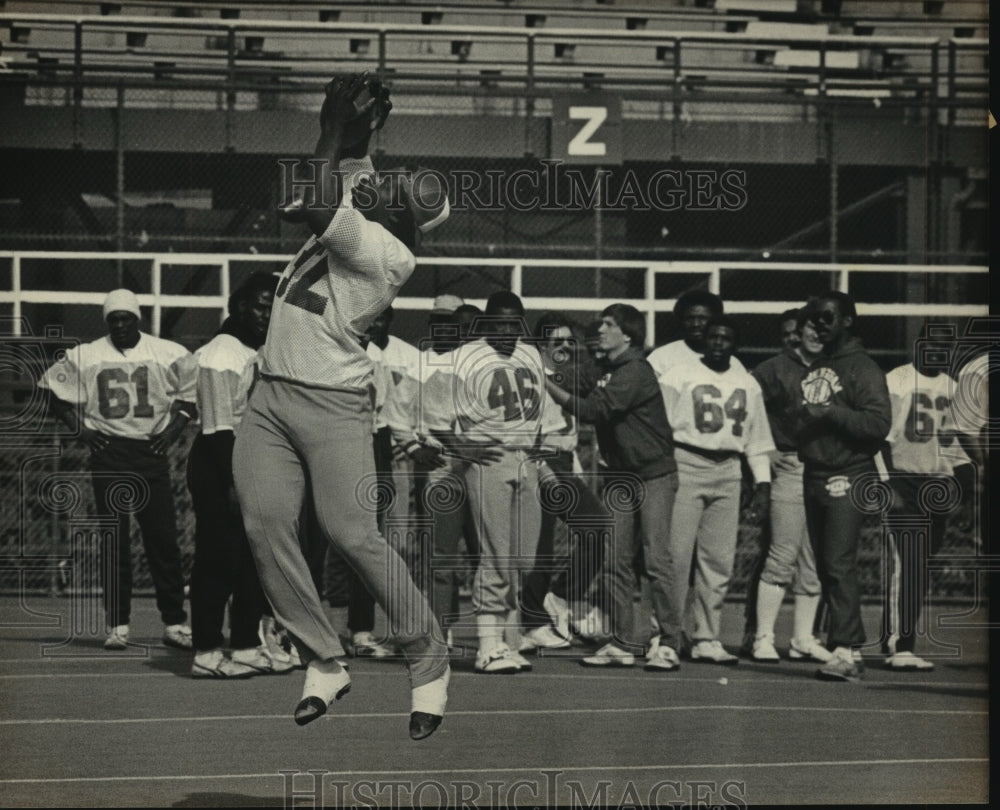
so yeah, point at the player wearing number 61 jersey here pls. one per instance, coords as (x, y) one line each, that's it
(717, 413)
(135, 393)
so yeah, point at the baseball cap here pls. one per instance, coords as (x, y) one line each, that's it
(446, 304)
(121, 301)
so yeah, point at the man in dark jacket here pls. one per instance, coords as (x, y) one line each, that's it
(626, 408)
(843, 421)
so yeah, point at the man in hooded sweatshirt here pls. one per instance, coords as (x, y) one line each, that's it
(843, 421)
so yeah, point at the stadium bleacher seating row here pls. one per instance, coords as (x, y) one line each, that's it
(700, 44)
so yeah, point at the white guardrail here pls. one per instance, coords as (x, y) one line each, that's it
(768, 301)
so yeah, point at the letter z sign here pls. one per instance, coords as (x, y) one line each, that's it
(587, 129)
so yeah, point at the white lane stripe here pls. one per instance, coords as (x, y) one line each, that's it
(532, 769)
(498, 712)
(638, 680)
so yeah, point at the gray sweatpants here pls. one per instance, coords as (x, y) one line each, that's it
(297, 442)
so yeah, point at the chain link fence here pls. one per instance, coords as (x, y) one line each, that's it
(824, 190)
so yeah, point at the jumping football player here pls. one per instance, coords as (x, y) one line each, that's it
(309, 423)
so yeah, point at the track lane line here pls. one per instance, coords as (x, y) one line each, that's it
(501, 713)
(527, 769)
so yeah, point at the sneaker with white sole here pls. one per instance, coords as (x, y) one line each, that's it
(558, 610)
(496, 660)
(542, 638)
(177, 635)
(118, 638)
(215, 664)
(654, 645)
(367, 646)
(842, 666)
(763, 649)
(906, 661)
(711, 651)
(609, 656)
(811, 647)
(662, 659)
(594, 626)
(257, 662)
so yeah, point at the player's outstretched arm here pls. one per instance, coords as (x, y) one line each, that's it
(338, 111)
(373, 106)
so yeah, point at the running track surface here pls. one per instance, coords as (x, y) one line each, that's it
(83, 727)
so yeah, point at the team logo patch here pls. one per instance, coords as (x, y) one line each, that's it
(820, 385)
(838, 485)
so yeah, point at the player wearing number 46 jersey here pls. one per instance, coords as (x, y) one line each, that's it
(495, 383)
(716, 411)
(129, 396)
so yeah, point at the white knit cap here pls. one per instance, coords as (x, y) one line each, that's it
(121, 301)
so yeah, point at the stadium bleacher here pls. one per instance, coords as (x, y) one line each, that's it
(760, 53)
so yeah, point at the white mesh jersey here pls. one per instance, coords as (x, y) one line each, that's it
(225, 374)
(923, 433)
(327, 297)
(971, 396)
(716, 411)
(382, 380)
(421, 400)
(129, 393)
(401, 358)
(559, 437)
(496, 399)
(678, 353)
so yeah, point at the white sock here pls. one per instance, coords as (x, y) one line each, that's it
(805, 615)
(512, 629)
(323, 679)
(769, 599)
(490, 629)
(431, 697)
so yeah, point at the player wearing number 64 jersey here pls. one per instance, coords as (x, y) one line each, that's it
(135, 393)
(717, 413)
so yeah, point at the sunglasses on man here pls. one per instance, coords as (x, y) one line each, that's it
(825, 317)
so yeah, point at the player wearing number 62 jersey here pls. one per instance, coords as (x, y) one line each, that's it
(135, 393)
(925, 462)
(307, 431)
(717, 413)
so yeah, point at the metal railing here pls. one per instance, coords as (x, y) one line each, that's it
(586, 298)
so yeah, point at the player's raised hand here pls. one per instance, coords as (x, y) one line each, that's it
(379, 105)
(372, 106)
(339, 107)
